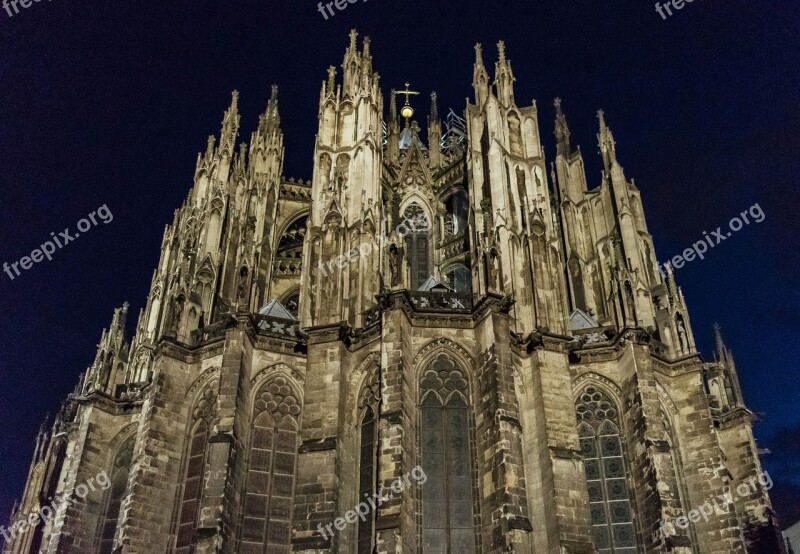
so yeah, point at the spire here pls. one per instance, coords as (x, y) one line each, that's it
(393, 131)
(605, 140)
(230, 124)
(562, 133)
(720, 344)
(270, 120)
(353, 36)
(393, 106)
(210, 148)
(351, 64)
(504, 77)
(435, 133)
(331, 80)
(672, 287)
(725, 357)
(480, 79)
(367, 42)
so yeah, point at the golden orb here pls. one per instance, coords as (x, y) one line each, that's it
(407, 111)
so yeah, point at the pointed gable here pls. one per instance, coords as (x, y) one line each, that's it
(581, 320)
(274, 308)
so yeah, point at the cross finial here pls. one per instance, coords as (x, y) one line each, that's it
(407, 111)
(408, 91)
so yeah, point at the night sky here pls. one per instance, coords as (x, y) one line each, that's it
(108, 103)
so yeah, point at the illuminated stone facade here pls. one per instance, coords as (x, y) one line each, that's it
(457, 302)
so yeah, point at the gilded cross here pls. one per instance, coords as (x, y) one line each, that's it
(407, 110)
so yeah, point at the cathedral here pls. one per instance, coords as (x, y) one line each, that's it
(440, 306)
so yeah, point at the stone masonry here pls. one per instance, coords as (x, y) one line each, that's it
(440, 297)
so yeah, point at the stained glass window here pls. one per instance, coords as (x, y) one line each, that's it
(606, 474)
(417, 245)
(366, 478)
(119, 483)
(267, 522)
(192, 488)
(447, 496)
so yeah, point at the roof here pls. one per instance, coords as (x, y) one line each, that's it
(433, 284)
(274, 308)
(581, 320)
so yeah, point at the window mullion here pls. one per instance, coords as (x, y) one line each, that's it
(604, 487)
(270, 482)
(446, 448)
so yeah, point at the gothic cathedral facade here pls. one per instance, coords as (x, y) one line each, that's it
(442, 298)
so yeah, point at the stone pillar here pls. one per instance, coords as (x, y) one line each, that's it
(506, 525)
(317, 483)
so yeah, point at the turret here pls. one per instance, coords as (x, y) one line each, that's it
(346, 188)
(504, 77)
(108, 369)
(722, 379)
(516, 238)
(393, 132)
(480, 79)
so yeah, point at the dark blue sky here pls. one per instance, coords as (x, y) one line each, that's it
(109, 102)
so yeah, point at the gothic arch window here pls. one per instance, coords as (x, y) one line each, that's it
(515, 135)
(268, 498)
(459, 278)
(291, 301)
(368, 456)
(456, 213)
(213, 232)
(418, 244)
(576, 272)
(677, 468)
(606, 473)
(522, 192)
(119, 484)
(445, 424)
(289, 253)
(188, 510)
(192, 488)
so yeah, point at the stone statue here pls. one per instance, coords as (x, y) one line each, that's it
(395, 261)
(177, 311)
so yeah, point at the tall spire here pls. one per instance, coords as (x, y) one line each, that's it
(331, 80)
(725, 357)
(605, 140)
(435, 133)
(562, 133)
(480, 79)
(393, 131)
(230, 124)
(504, 77)
(270, 120)
(351, 64)
(266, 143)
